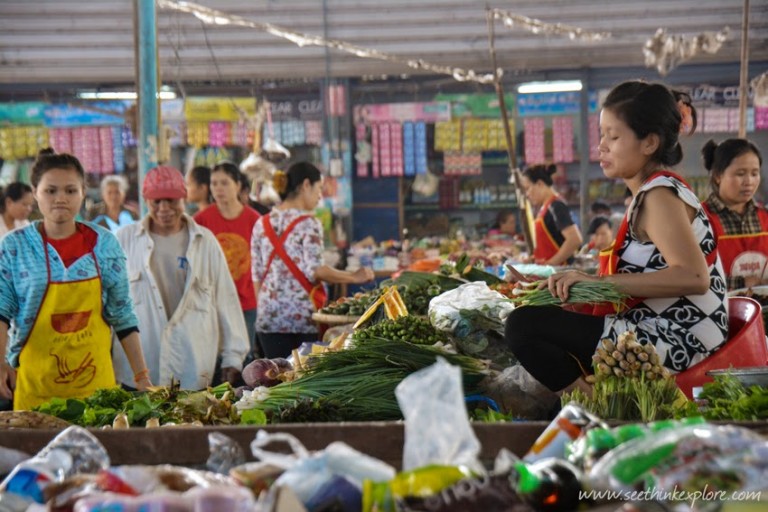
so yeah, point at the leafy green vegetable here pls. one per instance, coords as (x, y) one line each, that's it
(69, 409)
(253, 417)
(109, 398)
(728, 399)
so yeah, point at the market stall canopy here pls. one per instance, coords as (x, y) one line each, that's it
(52, 41)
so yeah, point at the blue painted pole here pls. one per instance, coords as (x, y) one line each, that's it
(146, 87)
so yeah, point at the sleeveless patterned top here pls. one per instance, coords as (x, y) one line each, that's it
(684, 329)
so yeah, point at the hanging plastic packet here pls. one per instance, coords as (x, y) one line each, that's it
(593, 444)
(418, 483)
(681, 464)
(568, 425)
(73, 451)
(226, 453)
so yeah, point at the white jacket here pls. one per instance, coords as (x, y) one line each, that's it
(208, 321)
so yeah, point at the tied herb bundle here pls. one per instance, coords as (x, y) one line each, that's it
(629, 383)
(583, 292)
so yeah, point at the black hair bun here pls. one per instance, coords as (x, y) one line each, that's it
(708, 153)
(46, 152)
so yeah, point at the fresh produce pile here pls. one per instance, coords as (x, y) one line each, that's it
(627, 358)
(352, 306)
(728, 399)
(410, 328)
(629, 383)
(356, 384)
(161, 406)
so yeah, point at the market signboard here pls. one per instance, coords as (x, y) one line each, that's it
(218, 109)
(26, 113)
(429, 112)
(553, 103)
(95, 114)
(477, 105)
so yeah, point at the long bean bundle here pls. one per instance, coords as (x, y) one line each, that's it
(583, 292)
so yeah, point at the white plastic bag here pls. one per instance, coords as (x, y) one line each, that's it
(437, 429)
(445, 309)
(306, 473)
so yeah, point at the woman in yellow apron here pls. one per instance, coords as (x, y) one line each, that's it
(64, 288)
(556, 236)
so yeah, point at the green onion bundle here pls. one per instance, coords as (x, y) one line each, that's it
(583, 292)
(363, 378)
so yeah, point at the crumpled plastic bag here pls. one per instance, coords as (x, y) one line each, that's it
(445, 310)
(437, 428)
(474, 315)
(226, 453)
(308, 473)
(516, 391)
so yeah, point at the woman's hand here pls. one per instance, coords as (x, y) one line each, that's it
(363, 275)
(7, 380)
(231, 375)
(143, 383)
(560, 283)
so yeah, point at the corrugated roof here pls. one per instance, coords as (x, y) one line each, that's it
(50, 41)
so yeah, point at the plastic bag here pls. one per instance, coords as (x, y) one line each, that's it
(689, 459)
(306, 474)
(445, 309)
(226, 453)
(474, 315)
(516, 391)
(528, 269)
(437, 429)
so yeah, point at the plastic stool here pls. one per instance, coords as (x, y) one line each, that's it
(745, 346)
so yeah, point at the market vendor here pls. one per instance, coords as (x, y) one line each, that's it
(557, 236)
(185, 298)
(64, 287)
(232, 222)
(600, 233)
(740, 223)
(16, 204)
(288, 269)
(664, 256)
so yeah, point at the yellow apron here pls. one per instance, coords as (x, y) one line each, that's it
(67, 353)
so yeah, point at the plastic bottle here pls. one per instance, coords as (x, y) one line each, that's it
(549, 485)
(29, 478)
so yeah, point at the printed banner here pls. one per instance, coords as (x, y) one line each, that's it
(217, 109)
(428, 112)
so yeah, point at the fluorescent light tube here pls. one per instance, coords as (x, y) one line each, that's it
(121, 95)
(556, 86)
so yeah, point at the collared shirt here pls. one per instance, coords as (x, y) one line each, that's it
(185, 343)
(735, 223)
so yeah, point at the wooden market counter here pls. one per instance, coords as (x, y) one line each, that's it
(188, 446)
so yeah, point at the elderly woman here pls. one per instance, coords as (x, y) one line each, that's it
(112, 213)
